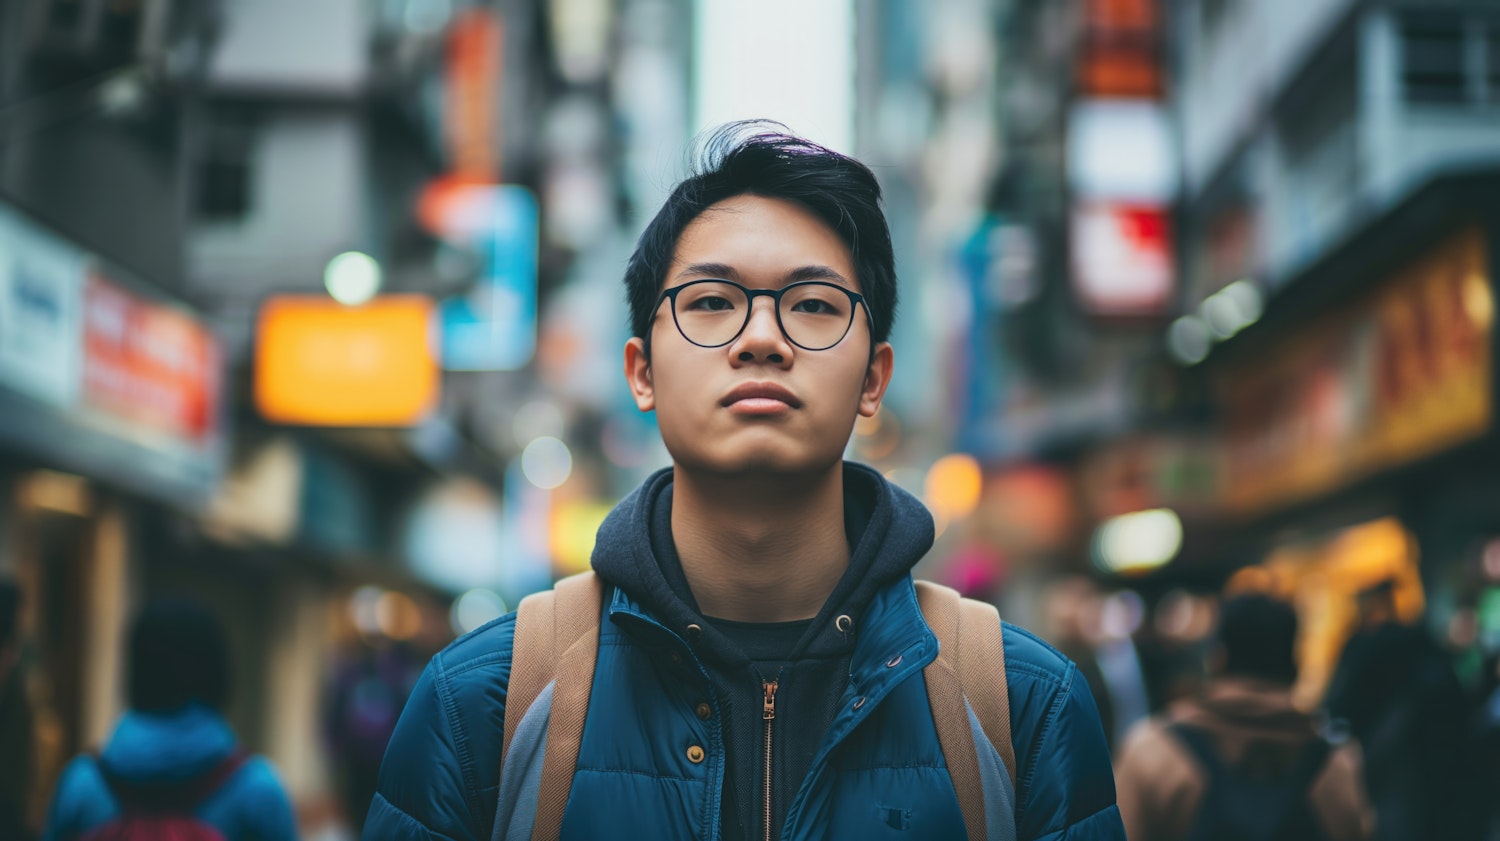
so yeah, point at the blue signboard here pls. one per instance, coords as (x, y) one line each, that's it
(493, 327)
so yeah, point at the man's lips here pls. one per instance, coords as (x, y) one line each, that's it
(761, 392)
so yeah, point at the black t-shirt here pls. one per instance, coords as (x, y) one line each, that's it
(769, 645)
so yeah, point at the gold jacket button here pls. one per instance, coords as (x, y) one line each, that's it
(695, 754)
(703, 710)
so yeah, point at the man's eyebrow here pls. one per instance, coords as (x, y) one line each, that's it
(710, 270)
(797, 275)
(815, 273)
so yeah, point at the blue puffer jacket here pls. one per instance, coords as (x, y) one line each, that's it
(145, 748)
(879, 771)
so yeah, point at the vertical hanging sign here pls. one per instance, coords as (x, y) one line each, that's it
(493, 327)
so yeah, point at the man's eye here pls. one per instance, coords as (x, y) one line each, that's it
(815, 307)
(711, 303)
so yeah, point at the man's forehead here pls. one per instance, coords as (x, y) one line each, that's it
(757, 238)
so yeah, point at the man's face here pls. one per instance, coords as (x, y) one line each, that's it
(707, 419)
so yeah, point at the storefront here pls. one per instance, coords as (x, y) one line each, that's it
(1356, 426)
(110, 396)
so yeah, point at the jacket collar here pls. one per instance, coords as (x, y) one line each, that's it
(891, 639)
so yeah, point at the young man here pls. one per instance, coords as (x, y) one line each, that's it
(1239, 760)
(761, 651)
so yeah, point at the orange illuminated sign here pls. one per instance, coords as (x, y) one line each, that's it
(1120, 52)
(472, 113)
(1398, 375)
(320, 363)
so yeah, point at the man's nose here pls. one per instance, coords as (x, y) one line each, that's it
(762, 336)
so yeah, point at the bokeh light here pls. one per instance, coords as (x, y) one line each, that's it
(475, 608)
(547, 462)
(1138, 542)
(352, 278)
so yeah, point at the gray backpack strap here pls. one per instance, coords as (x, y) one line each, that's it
(968, 673)
(556, 642)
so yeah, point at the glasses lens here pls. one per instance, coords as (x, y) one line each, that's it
(710, 313)
(816, 315)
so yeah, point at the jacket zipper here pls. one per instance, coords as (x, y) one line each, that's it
(768, 712)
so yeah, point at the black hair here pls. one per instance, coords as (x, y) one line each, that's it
(1259, 635)
(755, 157)
(178, 655)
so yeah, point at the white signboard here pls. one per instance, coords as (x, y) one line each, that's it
(41, 294)
(1121, 150)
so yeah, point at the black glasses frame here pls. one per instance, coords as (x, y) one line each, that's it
(855, 300)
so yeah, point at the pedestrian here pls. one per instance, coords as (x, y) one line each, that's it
(1397, 693)
(173, 767)
(1239, 762)
(762, 667)
(17, 729)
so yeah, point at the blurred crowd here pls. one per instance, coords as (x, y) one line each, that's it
(1195, 691)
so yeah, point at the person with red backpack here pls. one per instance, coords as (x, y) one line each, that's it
(1239, 762)
(173, 770)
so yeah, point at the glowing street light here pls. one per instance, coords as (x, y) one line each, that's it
(352, 278)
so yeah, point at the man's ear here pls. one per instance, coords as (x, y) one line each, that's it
(638, 375)
(877, 378)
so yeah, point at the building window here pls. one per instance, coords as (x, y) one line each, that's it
(1434, 64)
(225, 170)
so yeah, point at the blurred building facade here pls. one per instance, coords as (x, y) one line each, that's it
(1337, 241)
(167, 171)
(1285, 331)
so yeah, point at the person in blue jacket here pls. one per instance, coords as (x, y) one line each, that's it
(760, 651)
(172, 736)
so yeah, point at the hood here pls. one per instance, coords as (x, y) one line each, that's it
(888, 529)
(1247, 706)
(166, 747)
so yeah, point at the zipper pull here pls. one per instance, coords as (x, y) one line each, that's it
(768, 711)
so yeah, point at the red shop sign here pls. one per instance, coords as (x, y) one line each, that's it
(152, 366)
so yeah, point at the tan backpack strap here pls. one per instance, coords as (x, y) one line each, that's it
(969, 652)
(981, 670)
(946, 697)
(575, 649)
(531, 661)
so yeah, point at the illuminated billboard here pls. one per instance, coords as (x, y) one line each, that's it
(320, 363)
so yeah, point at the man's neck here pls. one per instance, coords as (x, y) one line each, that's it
(760, 549)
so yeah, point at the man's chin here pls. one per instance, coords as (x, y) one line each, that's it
(760, 463)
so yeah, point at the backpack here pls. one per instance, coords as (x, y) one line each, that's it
(164, 812)
(557, 638)
(1261, 798)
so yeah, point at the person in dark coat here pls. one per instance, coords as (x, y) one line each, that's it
(1397, 693)
(17, 729)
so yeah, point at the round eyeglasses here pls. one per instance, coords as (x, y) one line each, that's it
(812, 314)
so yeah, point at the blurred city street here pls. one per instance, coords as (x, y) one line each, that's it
(312, 311)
